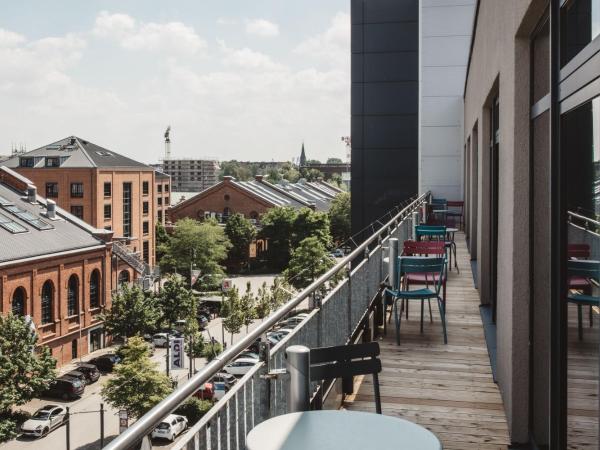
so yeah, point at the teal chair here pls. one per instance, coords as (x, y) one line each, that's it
(418, 265)
(438, 233)
(590, 270)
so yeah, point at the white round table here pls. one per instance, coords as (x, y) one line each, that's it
(340, 430)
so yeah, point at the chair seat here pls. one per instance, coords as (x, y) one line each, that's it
(416, 294)
(582, 299)
(423, 278)
(579, 282)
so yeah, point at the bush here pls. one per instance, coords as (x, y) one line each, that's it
(10, 424)
(212, 350)
(194, 409)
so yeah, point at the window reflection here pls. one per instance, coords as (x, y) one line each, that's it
(580, 24)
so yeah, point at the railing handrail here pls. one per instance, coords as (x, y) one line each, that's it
(145, 424)
(584, 218)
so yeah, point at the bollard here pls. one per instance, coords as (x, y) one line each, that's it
(298, 366)
(392, 261)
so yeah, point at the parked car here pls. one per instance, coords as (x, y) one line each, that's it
(224, 377)
(77, 375)
(65, 388)
(248, 354)
(337, 253)
(293, 321)
(160, 339)
(240, 366)
(206, 393)
(90, 371)
(44, 421)
(202, 321)
(282, 332)
(171, 427)
(221, 389)
(106, 362)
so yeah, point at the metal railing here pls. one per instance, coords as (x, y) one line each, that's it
(262, 392)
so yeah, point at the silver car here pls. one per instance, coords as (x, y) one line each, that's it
(44, 421)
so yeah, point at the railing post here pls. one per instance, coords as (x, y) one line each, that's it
(349, 301)
(392, 257)
(415, 223)
(298, 366)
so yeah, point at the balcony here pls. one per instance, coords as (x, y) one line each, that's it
(448, 389)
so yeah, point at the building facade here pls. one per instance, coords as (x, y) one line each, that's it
(162, 189)
(101, 187)
(54, 268)
(191, 175)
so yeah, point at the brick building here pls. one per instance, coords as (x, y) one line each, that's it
(162, 184)
(54, 268)
(253, 198)
(104, 188)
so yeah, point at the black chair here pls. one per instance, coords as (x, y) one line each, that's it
(346, 361)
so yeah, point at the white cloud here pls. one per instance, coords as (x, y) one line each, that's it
(10, 39)
(170, 37)
(227, 21)
(248, 58)
(333, 45)
(262, 27)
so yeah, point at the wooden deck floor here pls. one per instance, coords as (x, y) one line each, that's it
(447, 388)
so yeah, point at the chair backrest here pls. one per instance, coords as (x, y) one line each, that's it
(583, 268)
(436, 231)
(418, 264)
(580, 251)
(424, 248)
(456, 205)
(346, 361)
(438, 201)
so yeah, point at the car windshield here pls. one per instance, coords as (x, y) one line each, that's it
(163, 426)
(41, 415)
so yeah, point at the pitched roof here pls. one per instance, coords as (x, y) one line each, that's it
(26, 231)
(76, 152)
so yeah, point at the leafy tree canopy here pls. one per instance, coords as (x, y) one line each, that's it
(24, 373)
(339, 217)
(309, 261)
(241, 233)
(334, 161)
(176, 302)
(132, 313)
(278, 227)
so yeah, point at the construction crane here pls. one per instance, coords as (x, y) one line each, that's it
(168, 143)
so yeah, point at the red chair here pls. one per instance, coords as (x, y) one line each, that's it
(583, 284)
(425, 248)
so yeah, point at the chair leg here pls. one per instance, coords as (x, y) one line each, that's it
(430, 314)
(377, 393)
(422, 306)
(580, 322)
(443, 316)
(591, 317)
(406, 306)
(397, 318)
(453, 246)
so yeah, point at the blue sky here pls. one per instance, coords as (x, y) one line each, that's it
(235, 79)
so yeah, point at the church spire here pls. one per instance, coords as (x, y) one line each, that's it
(302, 156)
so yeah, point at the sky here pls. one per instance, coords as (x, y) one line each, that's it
(235, 79)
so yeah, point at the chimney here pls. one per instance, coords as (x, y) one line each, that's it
(31, 193)
(51, 209)
(72, 141)
(259, 178)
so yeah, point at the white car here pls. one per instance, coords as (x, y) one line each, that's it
(44, 421)
(171, 427)
(160, 339)
(240, 366)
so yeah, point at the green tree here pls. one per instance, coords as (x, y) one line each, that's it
(231, 313)
(198, 345)
(278, 227)
(280, 293)
(162, 241)
(137, 385)
(175, 302)
(248, 306)
(241, 233)
(274, 175)
(290, 173)
(203, 244)
(263, 301)
(309, 223)
(212, 350)
(24, 373)
(339, 217)
(308, 262)
(334, 161)
(132, 313)
(311, 174)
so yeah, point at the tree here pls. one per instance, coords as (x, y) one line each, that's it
(311, 174)
(241, 233)
(334, 161)
(339, 218)
(309, 223)
(264, 301)
(203, 244)
(132, 313)
(231, 313)
(280, 293)
(278, 227)
(290, 173)
(308, 262)
(312, 161)
(248, 306)
(24, 373)
(198, 345)
(137, 385)
(274, 175)
(176, 302)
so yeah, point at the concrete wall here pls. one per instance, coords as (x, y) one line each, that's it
(445, 37)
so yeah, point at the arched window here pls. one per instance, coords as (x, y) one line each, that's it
(226, 212)
(18, 302)
(47, 302)
(253, 215)
(124, 277)
(95, 289)
(73, 295)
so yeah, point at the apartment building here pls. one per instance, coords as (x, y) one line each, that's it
(191, 175)
(54, 268)
(162, 189)
(101, 187)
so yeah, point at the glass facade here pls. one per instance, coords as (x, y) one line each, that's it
(127, 209)
(580, 24)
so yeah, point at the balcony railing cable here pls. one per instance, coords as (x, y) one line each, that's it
(345, 304)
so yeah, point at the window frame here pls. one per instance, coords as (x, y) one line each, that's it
(75, 192)
(54, 192)
(47, 303)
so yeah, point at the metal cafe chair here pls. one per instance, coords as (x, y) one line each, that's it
(581, 251)
(455, 211)
(439, 233)
(411, 265)
(591, 271)
(346, 361)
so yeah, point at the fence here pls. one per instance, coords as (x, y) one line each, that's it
(262, 392)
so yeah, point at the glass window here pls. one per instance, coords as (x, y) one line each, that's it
(18, 302)
(580, 24)
(107, 189)
(146, 251)
(107, 212)
(76, 190)
(47, 302)
(145, 207)
(77, 211)
(159, 188)
(127, 209)
(166, 188)
(124, 277)
(51, 190)
(73, 296)
(52, 161)
(145, 228)
(159, 216)
(167, 201)
(95, 289)
(26, 162)
(145, 188)
(160, 201)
